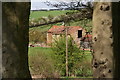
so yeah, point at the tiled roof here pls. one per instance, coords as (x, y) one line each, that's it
(61, 29)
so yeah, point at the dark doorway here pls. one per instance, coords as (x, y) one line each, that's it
(79, 33)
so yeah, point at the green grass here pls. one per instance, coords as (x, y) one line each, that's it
(33, 51)
(48, 51)
(41, 61)
(36, 50)
(88, 56)
(43, 57)
(39, 14)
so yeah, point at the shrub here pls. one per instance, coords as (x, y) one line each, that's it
(74, 55)
(36, 36)
(83, 68)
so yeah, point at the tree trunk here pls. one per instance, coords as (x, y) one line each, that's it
(106, 40)
(15, 20)
(116, 38)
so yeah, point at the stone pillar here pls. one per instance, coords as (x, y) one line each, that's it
(106, 40)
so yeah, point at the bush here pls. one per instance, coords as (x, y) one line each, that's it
(36, 36)
(83, 68)
(74, 55)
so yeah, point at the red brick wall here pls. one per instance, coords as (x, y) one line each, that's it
(49, 38)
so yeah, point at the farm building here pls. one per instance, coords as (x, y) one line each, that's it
(76, 32)
(86, 41)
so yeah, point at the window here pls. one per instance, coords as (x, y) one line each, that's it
(79, 33)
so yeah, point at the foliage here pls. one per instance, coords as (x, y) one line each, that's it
(74, 54)
(43, 59)
(37, 36)
(83, 68)
(50, 17)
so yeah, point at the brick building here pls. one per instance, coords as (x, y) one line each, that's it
(76, 32)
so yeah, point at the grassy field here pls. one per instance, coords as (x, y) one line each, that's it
(48, 51)
(41, 61)
(39, 14)
(39, 50)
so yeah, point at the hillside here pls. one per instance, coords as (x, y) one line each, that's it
(38, 14)
(43, 29)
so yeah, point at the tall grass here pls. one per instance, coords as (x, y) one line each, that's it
(41, 63)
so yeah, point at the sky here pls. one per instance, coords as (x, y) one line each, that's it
(39, 4)
(51, 0)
